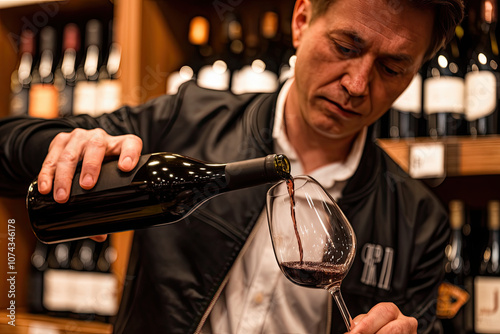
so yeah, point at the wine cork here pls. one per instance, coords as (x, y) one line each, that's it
(456, 208)
(494, 215)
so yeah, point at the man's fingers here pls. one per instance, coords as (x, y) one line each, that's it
(95, 150)
(47, 172)
(66, 165)
(130, 152)
(379, 316)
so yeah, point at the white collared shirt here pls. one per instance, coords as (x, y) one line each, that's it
(258, 298)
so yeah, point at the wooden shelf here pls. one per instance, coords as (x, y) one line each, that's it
(31, 323)
(464, 156)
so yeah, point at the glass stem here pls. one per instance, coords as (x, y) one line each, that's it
(337, 296)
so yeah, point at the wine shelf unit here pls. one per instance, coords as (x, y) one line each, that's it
(464, 156)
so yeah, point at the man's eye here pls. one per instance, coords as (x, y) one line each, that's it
(346, 51)
(390, 71)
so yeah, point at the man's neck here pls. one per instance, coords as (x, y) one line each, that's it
(313, 149)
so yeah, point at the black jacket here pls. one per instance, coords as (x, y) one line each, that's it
(177, 271)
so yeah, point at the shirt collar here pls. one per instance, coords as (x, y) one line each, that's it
(326, 175)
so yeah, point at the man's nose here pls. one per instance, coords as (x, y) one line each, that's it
(356, 80)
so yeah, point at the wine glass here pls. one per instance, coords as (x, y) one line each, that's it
(313, 241)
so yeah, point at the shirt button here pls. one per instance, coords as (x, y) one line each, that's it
(258, 298)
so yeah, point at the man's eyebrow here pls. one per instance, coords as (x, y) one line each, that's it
(360, 42)
(353, 35)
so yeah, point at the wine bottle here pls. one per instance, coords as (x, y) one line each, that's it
(452, 294)
(406, 111)
(211, 72)
(487, 283)
(108, 86)
(259, 74)
(44, 97)
(85, 93)
(58, 289)
(22, 76)
(38, 267)
(482, 78)
(65, 76)
(444, 91)
(163, 188)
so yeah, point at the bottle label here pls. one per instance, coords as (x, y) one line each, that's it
(451, 298)
(19, 103)
(480, 94)
(487, 304)
(80, 292)
(444, 94)
(44, 101)
(411, 99)
(85, 98)
(108, 96)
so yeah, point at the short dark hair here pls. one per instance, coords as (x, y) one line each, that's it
(448, 14)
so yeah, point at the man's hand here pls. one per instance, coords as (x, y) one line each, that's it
(67, 149)
(384, 318)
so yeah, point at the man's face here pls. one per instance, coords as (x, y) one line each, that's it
(355, 60)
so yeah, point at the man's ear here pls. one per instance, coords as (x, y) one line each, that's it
(300, 20)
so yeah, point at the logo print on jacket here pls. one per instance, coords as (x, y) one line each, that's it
(376, 257)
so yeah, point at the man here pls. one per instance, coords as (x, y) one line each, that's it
(215, 272)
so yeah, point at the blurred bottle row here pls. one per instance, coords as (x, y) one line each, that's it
(469, 299)
(256, 60)
(71, 74)
(456, 93)
(74, 280)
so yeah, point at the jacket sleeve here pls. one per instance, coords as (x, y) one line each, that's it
(24, 141)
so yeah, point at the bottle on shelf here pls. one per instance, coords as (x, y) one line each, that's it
(482, 78)
(43, 94)
(453, 295)
(87, 75)
(65, 76)
(39, 265)
(58, 289)
(22, 75)
(487, 283)
(260, 71)
(406, 111)
(211, 72)
(444, 91)
(163, 188)
(108, 86)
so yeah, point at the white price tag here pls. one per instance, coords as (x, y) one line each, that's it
(426, 160)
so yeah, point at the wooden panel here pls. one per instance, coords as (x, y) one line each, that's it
(465, 155)
(30, 323)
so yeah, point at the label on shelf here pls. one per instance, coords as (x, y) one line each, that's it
(80, 292)
(411, 99)
(109, 96)
(480, 94)
(85, 98)
(44, 101)
(426, 160)
(444, 94)
(487, 304)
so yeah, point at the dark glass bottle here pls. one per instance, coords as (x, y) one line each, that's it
(22, 76)
(405, 112)
(444, 91)
(65, 77)
(85, 92)
(163, 188)
(487, 283)
(108, 86)
(44, 97)
(453, 294)
(482, 78)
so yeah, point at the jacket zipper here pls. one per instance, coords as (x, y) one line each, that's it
(224, 282)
